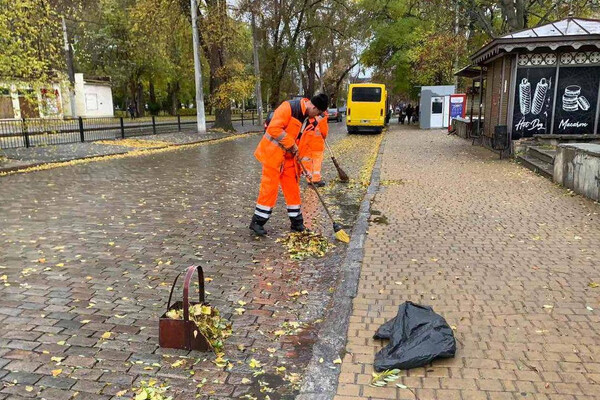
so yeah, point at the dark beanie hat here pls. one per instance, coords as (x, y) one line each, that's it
(321, 101)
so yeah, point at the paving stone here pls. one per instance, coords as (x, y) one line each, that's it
(25, 378)
(57, 382)
(56, 394)
(504, 255)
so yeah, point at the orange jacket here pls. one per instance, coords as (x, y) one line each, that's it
(312, 140)
(281, 133)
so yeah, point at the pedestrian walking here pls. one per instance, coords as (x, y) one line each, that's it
(416, 117)
(409, 113)
(402, 114)
(277, 153)
(131, 110)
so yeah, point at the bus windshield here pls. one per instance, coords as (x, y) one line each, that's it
(366, 94)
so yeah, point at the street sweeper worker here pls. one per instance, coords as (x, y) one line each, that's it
(311, 146)
(277, 153)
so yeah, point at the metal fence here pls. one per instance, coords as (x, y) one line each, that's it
(41, 131)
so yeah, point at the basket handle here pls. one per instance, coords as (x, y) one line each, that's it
(186, 289)
(172, 288)
(188, 278)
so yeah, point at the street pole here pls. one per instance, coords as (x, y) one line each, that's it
(198, 71)
(70, 69)
(256, 70)
(456, 37)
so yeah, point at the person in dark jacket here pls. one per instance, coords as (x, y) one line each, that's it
(409, 113)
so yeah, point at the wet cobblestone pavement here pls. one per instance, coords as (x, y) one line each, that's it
(89, 253)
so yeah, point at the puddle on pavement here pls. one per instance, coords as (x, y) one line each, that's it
(300, 354)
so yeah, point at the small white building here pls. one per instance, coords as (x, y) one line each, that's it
(92, 98)
(435, 106)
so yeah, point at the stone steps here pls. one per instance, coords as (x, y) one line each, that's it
(536, 165)
(544, 154)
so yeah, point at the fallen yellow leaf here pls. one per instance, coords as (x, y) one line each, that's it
(56, 372)
(106, 335)
(177, 363)
(254, 364)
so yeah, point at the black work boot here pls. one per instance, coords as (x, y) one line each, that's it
(320, 184)
(298, 224)
(257, 225)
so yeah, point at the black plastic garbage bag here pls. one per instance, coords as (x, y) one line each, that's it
(417, 336)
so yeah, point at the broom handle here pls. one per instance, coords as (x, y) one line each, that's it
(310, 182)
(328, 148)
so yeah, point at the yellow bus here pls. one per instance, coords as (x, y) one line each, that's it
(366, 108)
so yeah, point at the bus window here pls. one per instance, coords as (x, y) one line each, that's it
(366, 94)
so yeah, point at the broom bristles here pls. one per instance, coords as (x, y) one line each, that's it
(342, 236)
(342, 175)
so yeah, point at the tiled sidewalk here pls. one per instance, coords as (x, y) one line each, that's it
(507, 257)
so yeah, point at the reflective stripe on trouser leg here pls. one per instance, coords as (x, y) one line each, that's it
(267, 195)
(263, 211)
(294, 211)
(291, 186)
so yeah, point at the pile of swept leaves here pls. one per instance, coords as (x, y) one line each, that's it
(209, 322)
(151, 391)
(136, 143)
(302, 245)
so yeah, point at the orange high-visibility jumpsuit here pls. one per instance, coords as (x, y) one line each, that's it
(312, 145)
(279, 165)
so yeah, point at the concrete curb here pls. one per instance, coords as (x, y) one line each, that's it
(320, 380)
(101, 156)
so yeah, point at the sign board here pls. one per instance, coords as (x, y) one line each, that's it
(458, 107)
(576, 101)
(534, 91)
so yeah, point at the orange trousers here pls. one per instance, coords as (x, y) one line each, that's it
(313, 165)
(272, 178)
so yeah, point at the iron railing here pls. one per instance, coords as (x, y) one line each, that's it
(44, 131)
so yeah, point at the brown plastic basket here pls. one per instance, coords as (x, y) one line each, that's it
(183, 333)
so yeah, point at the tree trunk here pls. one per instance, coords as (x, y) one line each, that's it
(222, 111)
(257, 89)
(173, 94)
(140, 99)
(321, 82)
(276, 84)
(311, 77)
(217, 60)
(152, 92)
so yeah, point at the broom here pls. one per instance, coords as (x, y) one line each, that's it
(340, 234)
(343, 176)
